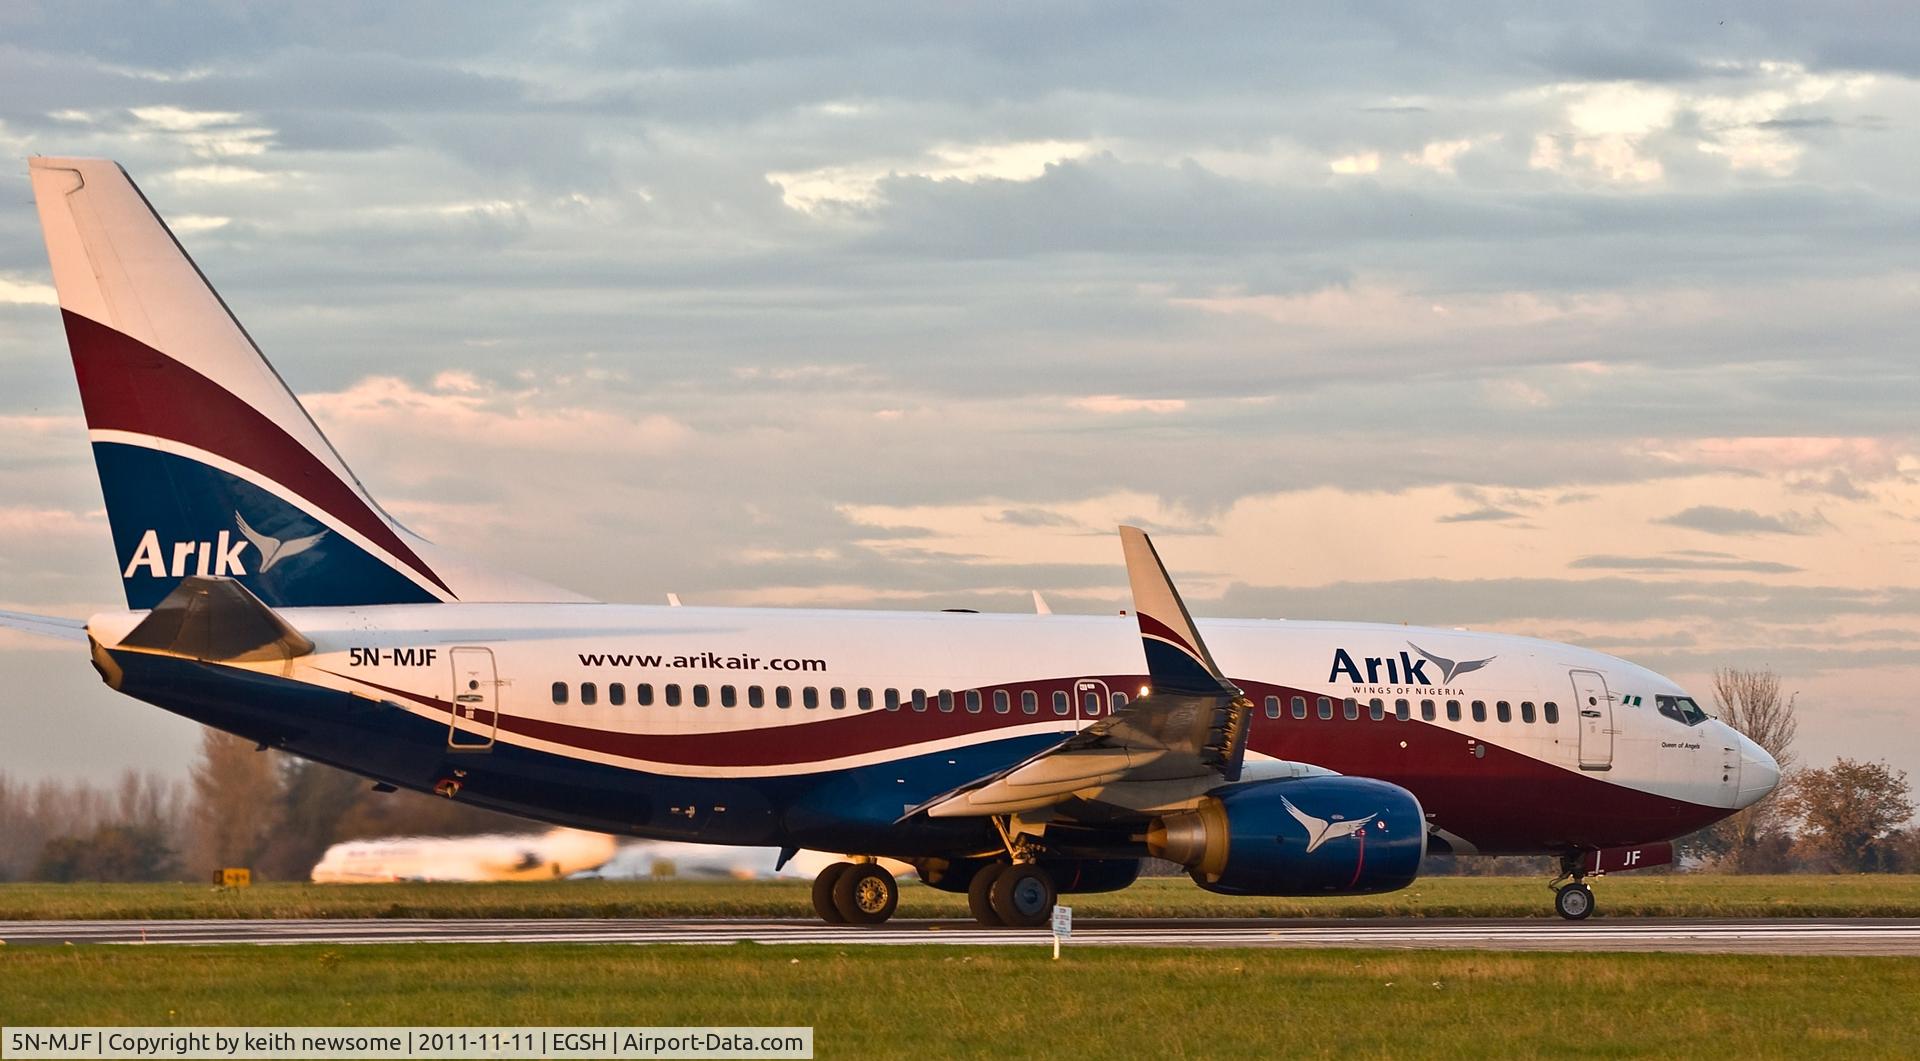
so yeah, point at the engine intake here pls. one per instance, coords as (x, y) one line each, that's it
(1298, 836)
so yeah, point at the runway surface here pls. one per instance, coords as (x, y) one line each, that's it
(1765, 936)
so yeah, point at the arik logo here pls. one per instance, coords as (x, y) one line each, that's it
(1403, 670)
(221, 556)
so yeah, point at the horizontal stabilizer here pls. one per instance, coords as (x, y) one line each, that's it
(216, 619)
(44, 625)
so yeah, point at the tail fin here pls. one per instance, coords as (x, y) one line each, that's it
(209, 464)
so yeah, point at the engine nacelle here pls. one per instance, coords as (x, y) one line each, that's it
(1299, 836)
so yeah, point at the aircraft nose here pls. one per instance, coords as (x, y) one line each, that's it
(1759, 774)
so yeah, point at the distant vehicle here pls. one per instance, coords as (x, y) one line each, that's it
(1011, 757)
(655, 859)
(492, 857)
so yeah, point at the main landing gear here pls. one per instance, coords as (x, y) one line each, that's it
(1017, 895)
(1573, 900)
(855, 893)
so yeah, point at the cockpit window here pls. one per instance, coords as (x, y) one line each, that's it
(1681, 709)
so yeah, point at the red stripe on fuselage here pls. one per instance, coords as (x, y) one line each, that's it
(126, 385)
(1502, 802)
(803, 742)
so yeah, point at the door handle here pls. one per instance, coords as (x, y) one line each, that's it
(1589, 713)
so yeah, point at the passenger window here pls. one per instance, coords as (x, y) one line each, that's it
(673, 695)
(699, 696)
(1273, 707)
(756, 696)
(1326, 707)
(1029, 702)
(1479, 710)
(1299, 707)
(1002, 703)
(893, 699)
(1402, 710)
(1503, 711)
(810, 697)
(616, 694)
(919, 699)
(1376, 709)
(838, 699)
(973, 701)
(1453, 711)
(1090, 701)
(559, 692)
(728, 698)
(1551, 712)
(865, 699)
(589, 694)
(1526, 712)
(1061, 705)
(643, 694)
(1426, 710)
(946, 701)
(1352, 707)
(783, 697)
(1119, 700)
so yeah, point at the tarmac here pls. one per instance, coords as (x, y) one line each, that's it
(1861, 936)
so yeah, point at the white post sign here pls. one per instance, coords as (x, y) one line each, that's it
(1062, 927)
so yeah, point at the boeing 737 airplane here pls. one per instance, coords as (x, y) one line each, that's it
(1010, 757)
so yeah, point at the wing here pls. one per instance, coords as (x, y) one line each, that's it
(44, 625)
(1187, 736)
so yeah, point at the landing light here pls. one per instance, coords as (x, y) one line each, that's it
(1146, 690)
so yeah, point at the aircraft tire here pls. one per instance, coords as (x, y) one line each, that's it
(823, 903)
(980, 894)
(1023, 896)
(1574, 902)
(866, 894)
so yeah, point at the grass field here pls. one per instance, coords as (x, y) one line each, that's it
(940, 1001)
(1692, 895)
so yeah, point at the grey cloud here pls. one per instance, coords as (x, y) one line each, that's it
(1680, 562)
(1715, 519)
(1485, 514)
(1034, 517)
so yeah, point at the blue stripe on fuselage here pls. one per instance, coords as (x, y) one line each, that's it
(851, 809)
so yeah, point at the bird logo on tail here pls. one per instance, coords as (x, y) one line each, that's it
(272, 549)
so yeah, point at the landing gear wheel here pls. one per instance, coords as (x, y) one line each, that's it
(823, 904)
(1574, 902)
(866, 894)
(1023, 896)
(980, 894)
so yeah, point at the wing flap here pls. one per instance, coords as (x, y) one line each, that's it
(1190, 731)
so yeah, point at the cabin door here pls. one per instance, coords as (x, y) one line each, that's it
(476, 706)
(1594, 711)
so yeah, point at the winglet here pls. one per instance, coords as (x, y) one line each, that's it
(1177, 660)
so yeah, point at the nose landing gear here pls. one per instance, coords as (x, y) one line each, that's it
(1573, 900)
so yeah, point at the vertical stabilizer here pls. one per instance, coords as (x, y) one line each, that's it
(208, 463)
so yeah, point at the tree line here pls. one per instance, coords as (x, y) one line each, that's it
(240, 806)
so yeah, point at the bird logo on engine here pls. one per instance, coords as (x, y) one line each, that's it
(1320, 830)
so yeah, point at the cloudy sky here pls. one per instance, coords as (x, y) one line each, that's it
(1594, 327)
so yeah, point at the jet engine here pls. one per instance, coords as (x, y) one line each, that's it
(1298, 836)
